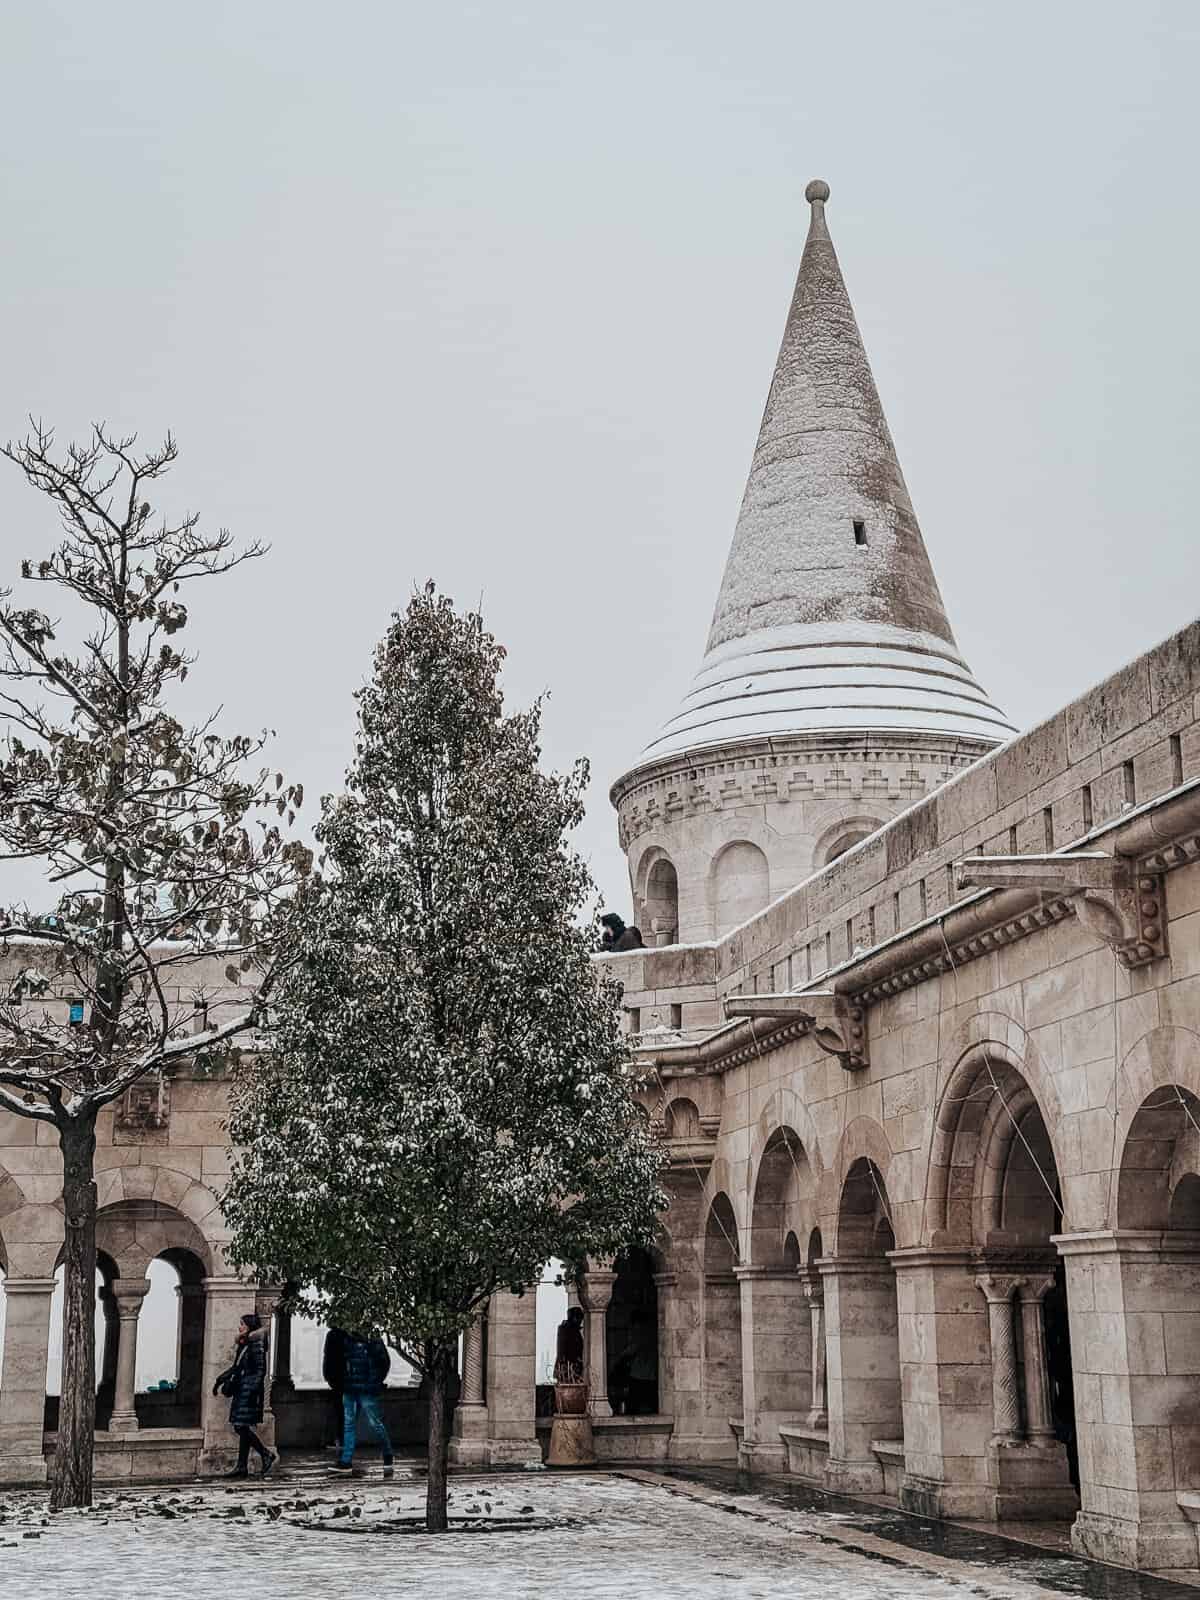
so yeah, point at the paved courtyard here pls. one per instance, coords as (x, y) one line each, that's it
(302, 1537)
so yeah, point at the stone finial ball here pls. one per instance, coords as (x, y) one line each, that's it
(818, 189)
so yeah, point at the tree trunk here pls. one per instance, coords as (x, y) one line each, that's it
(71, 1481)
(439, 1366)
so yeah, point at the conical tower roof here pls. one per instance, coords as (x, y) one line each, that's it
(829, 616)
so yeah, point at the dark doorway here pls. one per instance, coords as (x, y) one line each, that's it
(1058, 1363)
(631, 1327)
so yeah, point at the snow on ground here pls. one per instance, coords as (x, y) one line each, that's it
(306, 1538)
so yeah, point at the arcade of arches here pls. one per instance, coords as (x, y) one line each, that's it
(932, 1113)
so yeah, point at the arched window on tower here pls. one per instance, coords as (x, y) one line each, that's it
(842, 836)
(660, 913)
(741, 885)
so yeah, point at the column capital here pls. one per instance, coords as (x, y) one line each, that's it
(811, 1286)
(266, 1299)
(748, 1273)
(932, 1256)
(1128, 1242)
(129, 1294)
(29, 1285)
(999, 1287)
(1035, 1286)
(226, 1286)
(596, 1288)
(855, 1267)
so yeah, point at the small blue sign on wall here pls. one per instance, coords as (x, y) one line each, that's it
(76, 1012)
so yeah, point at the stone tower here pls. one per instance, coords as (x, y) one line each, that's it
(832, 693)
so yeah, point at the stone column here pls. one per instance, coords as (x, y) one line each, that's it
(266, 1298)
(998, 1290)
(1029, 1474)
(1040, 1424)
(946, 1358)
(468, 1443)
(665, 1285)
(190, 1379)
(226, 1300)
(283, 1382)
(721, 1366)
(1133, 1298)
(512, 1380)
(596, 1292)
(129, 1293)
(776, 1357)
(818, 1416)
(23, 1390)
(107, 1387)
(862, 1344)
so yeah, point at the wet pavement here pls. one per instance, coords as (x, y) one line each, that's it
(1060, 1571)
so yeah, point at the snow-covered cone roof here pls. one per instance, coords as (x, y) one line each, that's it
(829, 616)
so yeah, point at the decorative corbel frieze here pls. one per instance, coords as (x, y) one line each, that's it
(1112, 898)
(836, 1022)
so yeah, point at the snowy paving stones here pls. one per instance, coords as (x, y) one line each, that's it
(622, 1537)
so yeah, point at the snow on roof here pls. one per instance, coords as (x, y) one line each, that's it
(829, 617)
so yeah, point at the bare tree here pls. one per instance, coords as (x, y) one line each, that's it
(161, 842)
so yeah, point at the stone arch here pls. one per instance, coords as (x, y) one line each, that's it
(998, 1114)
(783, 1190)
(785, 1109)
(722, 1252)
(863, 1139)
(656, 897)
(133, 1233)
(722, 1180)
(1163, 1059)
(1158, 1180)
(847, 826)
(1156, 1215)
(12, 1198)
(32, 1238)
(681, 1118)
(865, 1219)
(739, 884)
(176, 1191)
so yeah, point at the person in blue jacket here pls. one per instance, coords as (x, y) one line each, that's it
(355, 1366)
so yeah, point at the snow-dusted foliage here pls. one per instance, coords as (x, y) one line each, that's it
(450, 1104)
(161, 842)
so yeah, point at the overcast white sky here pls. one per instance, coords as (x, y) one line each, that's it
(492, 294)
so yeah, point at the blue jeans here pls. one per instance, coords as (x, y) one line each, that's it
(369, 1406)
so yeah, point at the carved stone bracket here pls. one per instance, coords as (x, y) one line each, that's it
(836, 1022)
(1112, 898)
(146, 1105)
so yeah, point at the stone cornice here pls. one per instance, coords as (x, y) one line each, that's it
(777, 754)
(1159, 836)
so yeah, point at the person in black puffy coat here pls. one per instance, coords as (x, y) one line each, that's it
(245, 1382)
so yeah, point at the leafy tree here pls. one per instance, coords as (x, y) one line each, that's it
(450, 1104)
(161, 843)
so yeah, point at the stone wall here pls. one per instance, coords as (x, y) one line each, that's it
(739, 825)
(1003, 1202)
